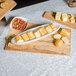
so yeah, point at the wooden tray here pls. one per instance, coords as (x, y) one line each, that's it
(50, 16)
(11, 5)
(44, 45)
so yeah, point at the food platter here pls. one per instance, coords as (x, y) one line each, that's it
(43, 46)
(39, 38)
(51, 16)
(34, 29)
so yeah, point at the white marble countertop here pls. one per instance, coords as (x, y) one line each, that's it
(30, 64)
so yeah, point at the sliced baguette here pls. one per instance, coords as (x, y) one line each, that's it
(58, 42)
(65, 40)
(57, 36)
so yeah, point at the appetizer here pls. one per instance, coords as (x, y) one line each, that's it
(19, 24)
(31, 35)
(19, 39)
(57, 36)
(43, 31)
(37, 34)
(71, 16)
(49, 29)
(53, 27)
(65, 32)
(62, 37)
(65, 40)
(25, 37)
(58, 16)
(72, 19)
(58, 42)
(64, 17)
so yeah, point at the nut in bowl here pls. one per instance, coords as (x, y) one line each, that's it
(18, 23)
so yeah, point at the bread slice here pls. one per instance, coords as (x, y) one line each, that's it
(65, 40)
(31, 35)
(25, 37)
(49, 29)
(57, 36)
(58, 42)
(43, 31)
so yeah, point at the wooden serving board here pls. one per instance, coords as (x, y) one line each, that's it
(10, 5)
(51, 16)
(44, 45)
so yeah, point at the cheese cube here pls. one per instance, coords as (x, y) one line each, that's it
(19, 39)
(25, 37)
(53, 27)
(72, 20)
(71, 16)
(64, 17)
(37, 34)
(49, 29)
(31, 35)
(42, 31)
(65, 32)
(58, 16)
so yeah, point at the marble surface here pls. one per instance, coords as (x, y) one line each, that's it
(30, 64)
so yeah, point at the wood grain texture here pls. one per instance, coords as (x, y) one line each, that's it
(10, 5)
(51, 16)
(44, 45)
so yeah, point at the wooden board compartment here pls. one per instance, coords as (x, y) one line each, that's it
(11, 5)
(51, 16)
(45, 45)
